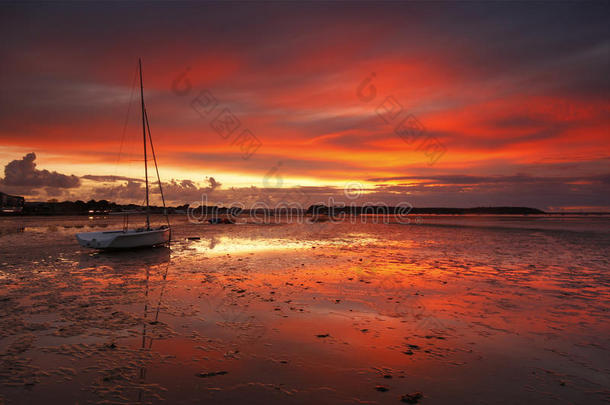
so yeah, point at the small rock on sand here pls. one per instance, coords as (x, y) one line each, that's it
(323, 335)
(412, 398)
(211, 374)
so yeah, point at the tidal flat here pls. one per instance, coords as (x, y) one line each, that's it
(445, 310)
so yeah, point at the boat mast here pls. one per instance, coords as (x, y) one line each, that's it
(144, 139)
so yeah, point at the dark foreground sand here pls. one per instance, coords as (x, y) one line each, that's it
(502, 312)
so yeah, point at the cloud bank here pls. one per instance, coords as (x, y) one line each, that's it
(22, 176)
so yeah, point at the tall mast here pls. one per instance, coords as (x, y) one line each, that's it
(144, 139)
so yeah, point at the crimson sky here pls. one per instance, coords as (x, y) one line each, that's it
(506, 103)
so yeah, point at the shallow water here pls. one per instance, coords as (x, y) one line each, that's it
(462, 309)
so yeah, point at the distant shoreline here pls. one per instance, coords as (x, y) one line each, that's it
(104, 207)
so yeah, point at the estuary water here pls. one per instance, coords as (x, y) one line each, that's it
(446, 309)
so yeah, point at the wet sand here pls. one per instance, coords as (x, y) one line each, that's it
(467, 310)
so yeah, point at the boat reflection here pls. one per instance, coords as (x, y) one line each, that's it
(153, 321)
(128, 261)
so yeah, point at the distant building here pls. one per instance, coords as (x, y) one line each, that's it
(11, 204)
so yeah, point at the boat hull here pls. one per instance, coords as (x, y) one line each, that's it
(130, 239)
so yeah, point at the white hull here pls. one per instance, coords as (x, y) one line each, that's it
(124, 239)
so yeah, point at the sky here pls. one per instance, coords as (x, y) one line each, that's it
(437, 104)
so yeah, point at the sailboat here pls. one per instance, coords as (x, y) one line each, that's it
(141, 237)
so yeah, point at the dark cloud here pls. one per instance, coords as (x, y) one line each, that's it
(473, 180)
(109, 178)
(213, 184)
(187, 190)
(542, 192)
(23, 173)
(131, 191)
(174, 191)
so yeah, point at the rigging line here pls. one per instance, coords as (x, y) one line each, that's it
(118, 159)
(133, 88)
(152, 149)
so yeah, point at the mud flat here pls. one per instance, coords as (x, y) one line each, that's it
(491, 310)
